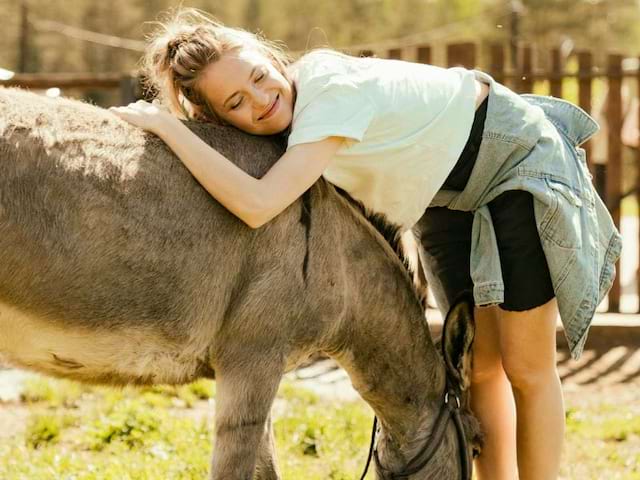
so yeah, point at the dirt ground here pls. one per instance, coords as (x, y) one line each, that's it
(608, 370)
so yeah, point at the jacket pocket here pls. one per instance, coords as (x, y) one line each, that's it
(561, 225)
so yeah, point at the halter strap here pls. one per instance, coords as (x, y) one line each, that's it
(450, 410)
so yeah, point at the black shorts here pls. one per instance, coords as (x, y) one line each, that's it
(445, 239)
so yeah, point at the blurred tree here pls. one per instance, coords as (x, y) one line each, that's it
(598, 25)
(589, 24)
(252, 15)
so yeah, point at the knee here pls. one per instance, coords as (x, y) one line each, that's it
(487, 359)
(526, 373)
(487, 366)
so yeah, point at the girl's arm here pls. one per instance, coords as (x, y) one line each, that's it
(254, 201)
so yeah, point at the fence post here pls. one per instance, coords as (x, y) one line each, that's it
(497, 62)
(555, 81)
(585, 64)
(24, 45)
(526, 74)
(637, 150)
(423, 54)
(461, 54)
(395, 53)
(614, 158)
(128, 89)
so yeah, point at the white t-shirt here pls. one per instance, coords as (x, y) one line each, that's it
(405, 126)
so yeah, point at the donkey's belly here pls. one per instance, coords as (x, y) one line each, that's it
(126, 356)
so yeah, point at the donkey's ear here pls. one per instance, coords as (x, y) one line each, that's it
(457, 340)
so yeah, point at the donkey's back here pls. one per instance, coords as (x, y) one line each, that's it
(116, 266)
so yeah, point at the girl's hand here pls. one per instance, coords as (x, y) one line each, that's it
(151, 117)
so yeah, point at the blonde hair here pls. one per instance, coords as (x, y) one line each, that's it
(183, 46)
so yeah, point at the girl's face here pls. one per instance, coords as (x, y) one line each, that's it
(245, 89)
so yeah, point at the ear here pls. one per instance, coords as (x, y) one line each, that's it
(457, 340)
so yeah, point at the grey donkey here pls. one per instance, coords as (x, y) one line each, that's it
(117, 267)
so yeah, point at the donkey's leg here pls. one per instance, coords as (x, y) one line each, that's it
(266, 466)
(245, 393)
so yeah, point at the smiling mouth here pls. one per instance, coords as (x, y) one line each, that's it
(272, 109)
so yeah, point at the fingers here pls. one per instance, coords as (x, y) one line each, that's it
(148, 116)
(122, 112)
(142, 105)
(159, 105)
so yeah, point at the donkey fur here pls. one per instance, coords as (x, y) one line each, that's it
(117, 267)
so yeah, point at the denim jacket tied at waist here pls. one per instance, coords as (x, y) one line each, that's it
(532, 143)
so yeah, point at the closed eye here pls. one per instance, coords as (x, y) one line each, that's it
(233, 107)
(258, 79)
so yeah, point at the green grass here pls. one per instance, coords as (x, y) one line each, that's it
(604, 439)
(90, 433)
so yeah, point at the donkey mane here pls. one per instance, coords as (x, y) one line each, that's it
(383, 231)
(392, 235)
(389, 231)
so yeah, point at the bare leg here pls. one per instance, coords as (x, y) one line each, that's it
(492, 401)
(243, 402)
(528, 346)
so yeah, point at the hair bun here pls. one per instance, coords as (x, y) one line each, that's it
(172, 47)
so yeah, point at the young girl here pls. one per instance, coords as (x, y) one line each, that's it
(512, 212)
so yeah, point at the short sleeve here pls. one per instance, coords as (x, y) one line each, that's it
(339, 109)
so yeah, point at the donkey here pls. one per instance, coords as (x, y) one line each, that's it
(117, 267)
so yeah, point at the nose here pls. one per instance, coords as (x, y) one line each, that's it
(260, 99)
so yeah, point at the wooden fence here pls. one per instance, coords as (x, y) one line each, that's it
(126, 83)
(607, 177)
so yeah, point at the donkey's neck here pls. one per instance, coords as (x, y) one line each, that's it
(387, 349)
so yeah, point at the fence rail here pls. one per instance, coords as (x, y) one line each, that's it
(521, 78)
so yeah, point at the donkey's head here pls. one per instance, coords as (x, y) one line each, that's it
(452, 453)
(448, 435)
